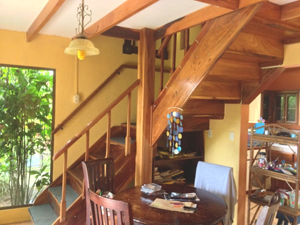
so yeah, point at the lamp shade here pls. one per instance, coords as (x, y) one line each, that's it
(81, 45)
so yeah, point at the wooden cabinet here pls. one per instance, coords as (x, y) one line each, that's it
(263, 143)
(280, 107)
(192, 143)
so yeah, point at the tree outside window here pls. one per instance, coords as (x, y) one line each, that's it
(25, 134)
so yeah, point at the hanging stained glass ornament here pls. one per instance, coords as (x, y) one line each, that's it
(174, 132)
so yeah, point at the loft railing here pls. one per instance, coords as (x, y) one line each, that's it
(87, 100)
(86, 131)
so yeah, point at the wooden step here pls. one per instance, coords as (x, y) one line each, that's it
(42, 214)
(119, 140)
(71, 195)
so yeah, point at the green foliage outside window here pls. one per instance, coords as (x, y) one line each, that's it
(25, 133)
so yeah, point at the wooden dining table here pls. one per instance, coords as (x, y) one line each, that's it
(211, 209)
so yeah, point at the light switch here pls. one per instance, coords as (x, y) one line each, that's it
(231, 136)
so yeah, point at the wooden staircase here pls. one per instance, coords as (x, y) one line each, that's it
(46, 208)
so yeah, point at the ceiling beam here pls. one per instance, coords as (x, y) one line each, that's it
(249, 93)
(190, 20)
(123, 33)
(118, 15)
(45, 15)
(210, 44)
(290, 11)
(229, 4)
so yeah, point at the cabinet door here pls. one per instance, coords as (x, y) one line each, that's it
(266, 107)
(291, 108)
(279, 102)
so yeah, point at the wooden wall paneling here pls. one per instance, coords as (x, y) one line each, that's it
(268, 76)
(270, 10)
(258, 46)
(243, 164)
(190, 124)
(290, 11)
(204, 108)
(217, 90)
(236, 70)
(211, 43)
(145, 93)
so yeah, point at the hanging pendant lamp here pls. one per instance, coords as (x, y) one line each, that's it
(81, 45)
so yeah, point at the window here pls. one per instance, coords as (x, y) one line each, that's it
(280, 107)
(25, 133)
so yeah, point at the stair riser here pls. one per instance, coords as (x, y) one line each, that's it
(54, 203)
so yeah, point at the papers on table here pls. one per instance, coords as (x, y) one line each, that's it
(185, 207)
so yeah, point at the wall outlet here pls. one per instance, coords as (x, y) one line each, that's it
(209, 133)
(76, 98)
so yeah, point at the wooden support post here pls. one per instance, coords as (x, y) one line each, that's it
(128, 138)
(108, 135)
(243, 164)
(146, 72)
(174, 53)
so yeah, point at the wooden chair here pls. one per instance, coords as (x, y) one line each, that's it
(109, 211)
(267, 213)
(98, 174)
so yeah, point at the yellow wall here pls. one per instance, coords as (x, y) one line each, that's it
(219, 149)
(48, 52)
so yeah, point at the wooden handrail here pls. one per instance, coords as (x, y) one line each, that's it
(86, 130)
(87, 100)
(93, 122)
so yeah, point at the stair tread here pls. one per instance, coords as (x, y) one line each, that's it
(71, 195)
(120, 140)
(42, 214)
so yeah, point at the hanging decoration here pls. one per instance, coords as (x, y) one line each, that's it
(174, 131)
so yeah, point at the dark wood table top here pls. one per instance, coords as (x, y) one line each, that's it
(211, 208)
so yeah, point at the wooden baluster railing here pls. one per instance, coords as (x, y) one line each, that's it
(86, 130)
(108, 135)
(128, 138)
(64, 184)
(87, 146)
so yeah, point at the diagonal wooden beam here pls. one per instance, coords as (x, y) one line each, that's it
(290, 11)
(193, 19)
(229, 4)
(164, 44)
(121, 13)
(45, 15)
(211, 43)
(268, 76)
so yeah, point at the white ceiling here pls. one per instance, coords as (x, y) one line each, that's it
(18, 15)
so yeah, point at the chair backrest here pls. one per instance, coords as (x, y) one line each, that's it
(109, 211)
(219, 180)
(267, 213)
(99, 174)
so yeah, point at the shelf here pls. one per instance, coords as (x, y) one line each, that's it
(275, 139)
(178, 159)
(269, 173)
(288, 210)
